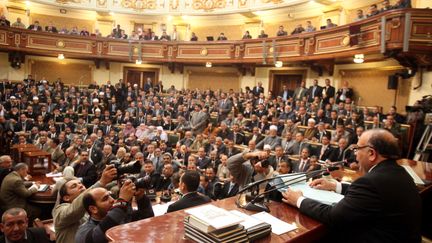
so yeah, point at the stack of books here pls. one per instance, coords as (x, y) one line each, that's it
(212, 224)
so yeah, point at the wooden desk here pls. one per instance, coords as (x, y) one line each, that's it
(17, 153)
(32, 158)
(170, 227)
(47, 196)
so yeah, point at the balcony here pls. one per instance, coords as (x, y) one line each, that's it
(406, 37)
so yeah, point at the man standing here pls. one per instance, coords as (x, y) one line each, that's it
(198, 120)
(328, 91)
(314, 91)
(14, 225)
(85, 170)
(382, 206)
(300, 92)
(68, 214)
(14, 192)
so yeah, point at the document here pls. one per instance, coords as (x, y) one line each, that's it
(248, 221)
(411, 172)
(51, 174)
(278, 226)
(214, 216)
(43, 187)
(160, 209)
(326, 197)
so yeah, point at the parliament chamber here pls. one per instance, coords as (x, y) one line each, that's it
(117, 116)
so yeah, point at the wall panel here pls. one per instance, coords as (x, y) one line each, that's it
(213, 80)
(70, 73)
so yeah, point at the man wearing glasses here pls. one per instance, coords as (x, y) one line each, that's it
(381, 206)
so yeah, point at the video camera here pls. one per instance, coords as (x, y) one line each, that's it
(130, 168)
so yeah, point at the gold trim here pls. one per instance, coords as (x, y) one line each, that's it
(60, 44)
(204, 51)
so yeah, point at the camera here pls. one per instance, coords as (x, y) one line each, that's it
(130, 168)
(264, 163)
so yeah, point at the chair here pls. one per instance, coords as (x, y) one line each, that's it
(173, 138)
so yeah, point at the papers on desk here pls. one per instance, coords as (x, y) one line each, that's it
(278, 226)
(326, 197)
(51, 174)
(43, 187)
(216, 217)
(161, 209)
(57, 178)
(411, 172)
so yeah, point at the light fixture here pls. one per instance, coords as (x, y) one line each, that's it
(209, 64)
(169, 18)
(279, 64)
(111, 13)
(60, 56)
(27, 3)
(138, 62)
(185, 17)
(359, 58)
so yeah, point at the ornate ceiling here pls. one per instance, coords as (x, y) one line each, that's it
(174, 7)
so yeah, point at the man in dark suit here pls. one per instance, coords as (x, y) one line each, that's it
(279, 156)
(384, 205)
(257, 90)
(14, 225)
(228, 189)
(304, 162)
(35, 26)
(286, 93)
(314, 91)
(189, 183)
(328, 91)
(85, 170)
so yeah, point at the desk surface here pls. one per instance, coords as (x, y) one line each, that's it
(46, 196)
(170, 227)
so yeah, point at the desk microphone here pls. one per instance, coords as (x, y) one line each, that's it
(253, 205)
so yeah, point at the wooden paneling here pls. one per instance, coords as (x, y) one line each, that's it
(322, 44)
(214, 80)
(71, 73)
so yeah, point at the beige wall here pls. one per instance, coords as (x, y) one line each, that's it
(406, 94)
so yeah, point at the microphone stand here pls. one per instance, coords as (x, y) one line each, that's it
(252, 205)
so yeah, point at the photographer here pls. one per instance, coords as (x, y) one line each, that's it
(241, 171)
(105, 212)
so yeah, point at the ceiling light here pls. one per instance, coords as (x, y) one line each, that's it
(209, 64)
(185, 17)
(169, 18)
(60, 56)
(138, 62)
(111, 13)
(27, 3)
(279, 64)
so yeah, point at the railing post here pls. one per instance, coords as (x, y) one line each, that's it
(407, 32)
(383, 34)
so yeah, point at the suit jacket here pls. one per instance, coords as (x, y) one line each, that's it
(189, 200)
(225, 192)
(258, 138)
(14, 194)
(384, 205)
(199, 121)
(311, 93)
(87, 172)
(257, 90)
(297, 166)
(329, 153)
(299, 93)
(58, 156)
(329, 92)
(31, 27)
(33, 235)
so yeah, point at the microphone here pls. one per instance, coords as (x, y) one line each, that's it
(255, 183)
(298, 177)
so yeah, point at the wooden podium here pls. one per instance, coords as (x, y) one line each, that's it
(170, 227)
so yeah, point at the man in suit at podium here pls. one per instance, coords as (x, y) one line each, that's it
(189, 183)
(384, 205)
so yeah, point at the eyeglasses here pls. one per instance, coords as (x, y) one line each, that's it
(357, 148)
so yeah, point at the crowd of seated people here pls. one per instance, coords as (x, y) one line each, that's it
(170, 131)
(149, 34)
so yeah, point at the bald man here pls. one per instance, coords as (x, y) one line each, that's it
(381, 206)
